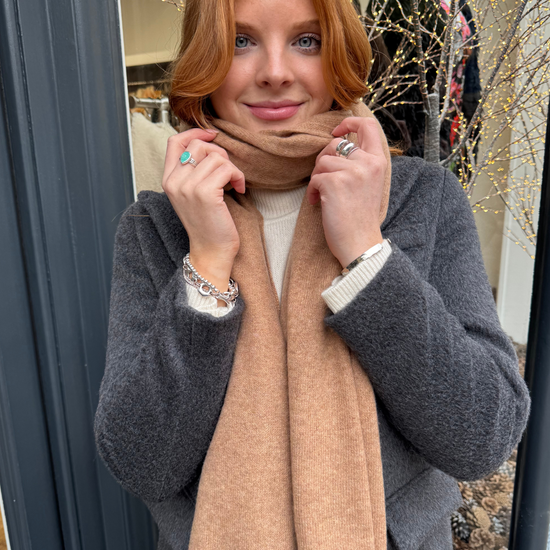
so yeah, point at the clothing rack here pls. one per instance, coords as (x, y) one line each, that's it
(162, 104)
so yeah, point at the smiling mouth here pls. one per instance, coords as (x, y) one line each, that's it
(274, 111)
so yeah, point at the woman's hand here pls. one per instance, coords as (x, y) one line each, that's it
(351, 190)
(196, 194)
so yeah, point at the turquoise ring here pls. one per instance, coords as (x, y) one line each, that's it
(186, 158)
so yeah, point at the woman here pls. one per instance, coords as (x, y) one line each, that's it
(263, 419)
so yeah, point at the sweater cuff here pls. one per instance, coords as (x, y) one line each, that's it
(205, 304)
(344, 288)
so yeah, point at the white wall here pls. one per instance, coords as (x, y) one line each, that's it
(151, 31)
(516, 267)
(515, 287)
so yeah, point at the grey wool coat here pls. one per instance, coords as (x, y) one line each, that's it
(451, 404)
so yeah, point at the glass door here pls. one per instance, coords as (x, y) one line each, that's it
(151, 31)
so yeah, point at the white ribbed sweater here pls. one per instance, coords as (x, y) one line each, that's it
(280, 211)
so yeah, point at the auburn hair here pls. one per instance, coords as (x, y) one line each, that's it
(208, 45)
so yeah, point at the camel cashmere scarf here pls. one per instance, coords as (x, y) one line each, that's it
(295, 460)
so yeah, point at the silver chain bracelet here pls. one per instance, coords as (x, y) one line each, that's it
(205, 287)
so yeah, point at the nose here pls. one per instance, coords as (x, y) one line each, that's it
(275, 68)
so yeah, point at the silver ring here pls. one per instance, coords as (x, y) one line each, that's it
(350, 152)
(341, 145)
(345, 148)
(186, 158)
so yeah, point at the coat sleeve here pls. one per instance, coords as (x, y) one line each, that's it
(435, 352)
(166, 373)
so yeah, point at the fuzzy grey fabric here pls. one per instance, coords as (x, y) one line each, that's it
(451, 403)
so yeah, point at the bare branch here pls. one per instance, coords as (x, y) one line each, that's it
(446, 46)
(420, 54)
(489, 84)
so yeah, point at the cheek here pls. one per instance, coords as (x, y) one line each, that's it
(239, 77)
(317, 85)
(231, 88)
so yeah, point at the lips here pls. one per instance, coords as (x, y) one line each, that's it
(274, 110)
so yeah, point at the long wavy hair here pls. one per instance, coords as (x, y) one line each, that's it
(208, 44)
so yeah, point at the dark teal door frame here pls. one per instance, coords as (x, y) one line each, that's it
(65, 178)
(531, 508)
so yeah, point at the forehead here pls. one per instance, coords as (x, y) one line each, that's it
(263, 14)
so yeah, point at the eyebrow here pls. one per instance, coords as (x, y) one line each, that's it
(296, 27)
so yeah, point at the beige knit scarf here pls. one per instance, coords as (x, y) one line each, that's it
(295, 458)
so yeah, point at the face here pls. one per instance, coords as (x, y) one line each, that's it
(276, 78)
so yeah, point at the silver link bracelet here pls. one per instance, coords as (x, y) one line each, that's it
(205, 287)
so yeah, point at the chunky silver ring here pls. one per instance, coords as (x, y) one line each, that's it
(344, 150)
(186, 158)
(354, 149)
(341, 145)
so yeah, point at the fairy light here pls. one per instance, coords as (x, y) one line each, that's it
(511, 127)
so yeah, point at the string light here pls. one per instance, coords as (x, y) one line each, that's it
(504, 145)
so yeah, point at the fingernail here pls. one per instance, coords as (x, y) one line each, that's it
(213, 131)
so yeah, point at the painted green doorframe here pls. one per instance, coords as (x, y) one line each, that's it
(65, 178)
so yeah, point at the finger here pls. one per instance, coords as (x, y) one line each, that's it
(201, 175)
(369, 135)
(312, 193)
(199, 151)
(223, 174)
(178, 143)
(328, 161)
(314, 188)
(329, 150)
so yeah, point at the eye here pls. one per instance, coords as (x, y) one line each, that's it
(309, 43)
(241, 42)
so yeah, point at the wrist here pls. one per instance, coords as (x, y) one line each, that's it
(213, 268)
(215, 271)
(353, 252)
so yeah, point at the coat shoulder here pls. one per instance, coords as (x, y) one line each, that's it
(416, 189)
(156, 226)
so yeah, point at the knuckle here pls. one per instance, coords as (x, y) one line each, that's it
(174, 187)
(168, 185)
(357, 171)
(216, 156)
(202, 194)
(183, 192)
(175, 141)
(380, 163)
(219, 150)
(225, 168)
(338, 179)
(324, 162)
